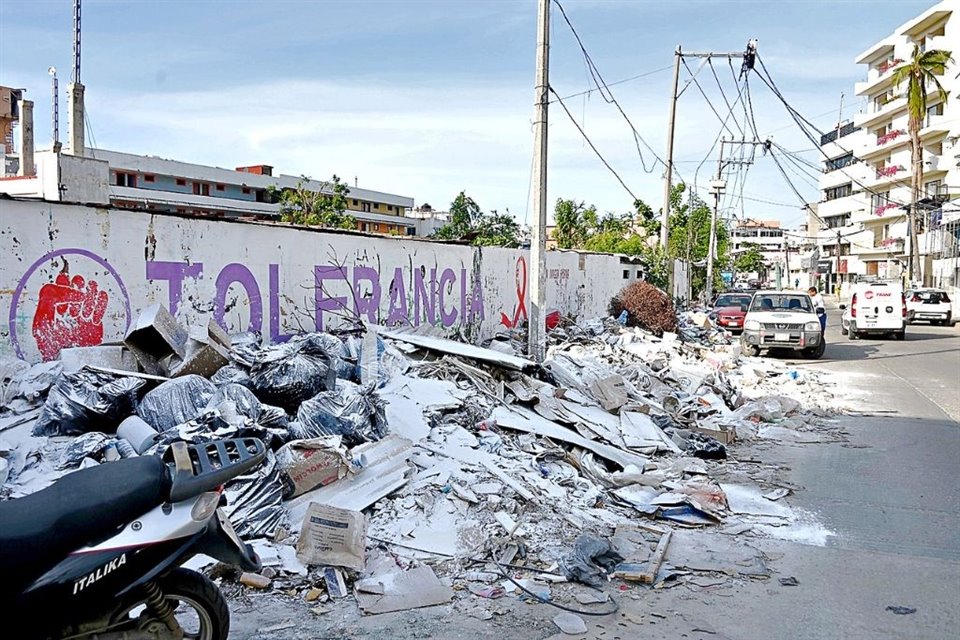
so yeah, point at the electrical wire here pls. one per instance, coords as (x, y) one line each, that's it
(538, 598)
(613, 84)
(608, 96)
(723, 93)
(592, 146)
(805, 125)
(723, 122)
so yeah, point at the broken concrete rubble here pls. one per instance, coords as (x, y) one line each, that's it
(478, 460)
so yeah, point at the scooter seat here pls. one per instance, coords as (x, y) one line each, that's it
(85, 507)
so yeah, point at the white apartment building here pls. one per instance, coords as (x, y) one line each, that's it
(879, 242)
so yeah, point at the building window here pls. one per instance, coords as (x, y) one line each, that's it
(389, 207)
(842, 191)
(365, 207)
(376, 205)
(833, 222)
(356, 203)
(181, 182)
(839, 163)
(246, 191)
(626, 273)
(220, 187)
(201, 189)
(411, 231)
(932, 188)
(125, 179)
(149, 177)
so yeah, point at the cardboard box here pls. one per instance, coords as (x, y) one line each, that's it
(333, 537)
(307, 464)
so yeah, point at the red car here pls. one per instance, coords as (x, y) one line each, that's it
(729, 310)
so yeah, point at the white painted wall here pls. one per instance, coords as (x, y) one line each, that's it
(258, 276)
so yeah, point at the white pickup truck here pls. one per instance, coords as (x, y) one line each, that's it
(782, 320)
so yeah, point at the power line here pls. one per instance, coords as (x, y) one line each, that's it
(608, 96)
(722, 93)
(723, 122)
(592, 146)
(613, 84)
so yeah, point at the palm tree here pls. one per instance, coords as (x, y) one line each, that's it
(920, 71)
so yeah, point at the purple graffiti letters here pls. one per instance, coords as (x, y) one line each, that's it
(368, 304)
(427, 298)
(275, 336)
(322, 302)
(236, 272)
(398, 300)
(447, 278)
(174, 273)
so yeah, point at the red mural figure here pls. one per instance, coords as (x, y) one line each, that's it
(520, 309)
(69, 314)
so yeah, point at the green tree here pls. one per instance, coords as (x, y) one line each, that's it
(323, 207)
(469, 223)
(572, 223)
(919, 72)
(751, 260)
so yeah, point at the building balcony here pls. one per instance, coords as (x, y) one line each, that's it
(878, 146)
(934, 126)
(882, 178)
(877, 116)
(890, 244)
(879, 78)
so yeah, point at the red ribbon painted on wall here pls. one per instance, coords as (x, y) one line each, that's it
(520, 309)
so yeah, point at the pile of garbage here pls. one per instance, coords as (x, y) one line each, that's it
(424, 455)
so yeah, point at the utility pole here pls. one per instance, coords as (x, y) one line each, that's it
(538, 259)
(668, 174)
(717, 187)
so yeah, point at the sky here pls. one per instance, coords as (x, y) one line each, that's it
(425, 98)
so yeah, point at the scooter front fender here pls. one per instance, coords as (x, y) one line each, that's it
(220, 541)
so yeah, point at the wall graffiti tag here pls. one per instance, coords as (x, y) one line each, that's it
(520, 308)
(73, 289)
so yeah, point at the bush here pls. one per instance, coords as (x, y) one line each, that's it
(646, 306)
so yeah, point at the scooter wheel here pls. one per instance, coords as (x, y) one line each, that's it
(199, 606)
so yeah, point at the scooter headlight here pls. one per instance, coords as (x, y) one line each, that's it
(205, 506)
(812, 326)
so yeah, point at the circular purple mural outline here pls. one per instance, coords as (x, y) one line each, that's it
(15, 301)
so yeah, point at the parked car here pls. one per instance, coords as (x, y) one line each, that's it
(730, 309)
(930, 305)
(875, 308)
(783, 320)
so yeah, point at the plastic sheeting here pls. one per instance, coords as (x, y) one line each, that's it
(591, 561)
(354, 412)
(176, 402)
(87, 401)
(254, 501)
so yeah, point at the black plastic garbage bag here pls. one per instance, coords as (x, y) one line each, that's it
(244, 401)
(176, 401)
(705, 447)
(87, 401)
(273, 418)
(89, 444)
(356, 413)
(591, 561)
(288, 374)
(231, 374)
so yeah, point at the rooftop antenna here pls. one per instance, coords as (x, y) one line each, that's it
(54, 107)
(75, 106)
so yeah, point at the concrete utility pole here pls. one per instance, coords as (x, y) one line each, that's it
(668, 172)
(538, 241)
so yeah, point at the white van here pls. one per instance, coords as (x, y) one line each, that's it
(875, 308)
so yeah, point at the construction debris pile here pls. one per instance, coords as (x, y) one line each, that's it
(436, 470)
